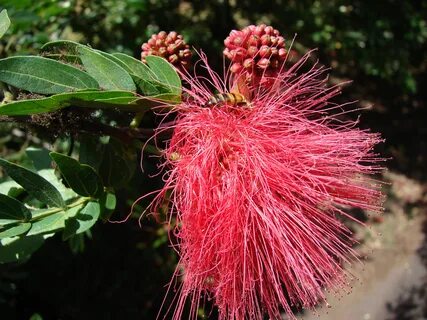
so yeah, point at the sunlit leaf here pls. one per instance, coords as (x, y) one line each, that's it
(165, 72)
(15, 230)
(54, 222)
(42, 75)
(109, 74)
(83, 221)
(89, 99)
(4, 22)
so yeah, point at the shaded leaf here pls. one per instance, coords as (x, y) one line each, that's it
(91, 151)
(4, 22)
(51, 176)
(15, 230)
(40, 158)
(16, 249)
(42, 75)
(109, 74)
(12, 210)
(108, 204)
(118, 164)
(34, 184)
(82, 178)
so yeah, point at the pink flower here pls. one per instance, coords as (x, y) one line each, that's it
(258, 189)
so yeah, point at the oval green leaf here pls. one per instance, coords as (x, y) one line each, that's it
(4, 22)
(34, 184)
(143, 76)
(12, 210)
(83, 221)
(39, 157)
(165, 73)
(109, 74)
(15, 230)
(82, 178)
(45, 76)
(53, 222)
(108, 203)
(118, 164)
(63, 50)
(89, 99)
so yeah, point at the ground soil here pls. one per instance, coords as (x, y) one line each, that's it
(391, 281)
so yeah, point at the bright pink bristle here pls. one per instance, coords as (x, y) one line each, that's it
(256, 190)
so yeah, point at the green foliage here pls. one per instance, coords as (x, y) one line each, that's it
(45, 76)
(165, 74)
(72, 208)
(108, 73)
(123, 100)
(118, 164)
(4, 22)
(34, 184)
(80, 177)
(12, 211)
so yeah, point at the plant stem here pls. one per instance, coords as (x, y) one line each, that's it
(49, 212)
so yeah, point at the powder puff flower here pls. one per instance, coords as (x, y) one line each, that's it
(258, 190)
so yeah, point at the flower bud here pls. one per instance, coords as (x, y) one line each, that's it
(170, 46)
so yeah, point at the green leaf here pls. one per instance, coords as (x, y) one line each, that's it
(108, 204)
(40, 158)
(89, 99)
(34, 184)
(11, 188)
(109, 74)
(42, 75)
(4, 22)
(83, 221)
(82, 178)
(12, 210)
(166, 73)
(15, 230)
(36, 316)
(16, 249)
(63, 50)
(142, 75)
(118, 164)
(91, 151)
(115, 60)
(51, 176)
(53, 222)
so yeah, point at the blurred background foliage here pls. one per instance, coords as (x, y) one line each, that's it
(380, 45)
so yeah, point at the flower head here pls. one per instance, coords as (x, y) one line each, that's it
(170, 46)
(257, 51)
(257, 190)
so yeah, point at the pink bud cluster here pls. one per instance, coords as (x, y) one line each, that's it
(170, 46)
(256, 50)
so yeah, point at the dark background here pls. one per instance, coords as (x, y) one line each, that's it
(122, 271)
